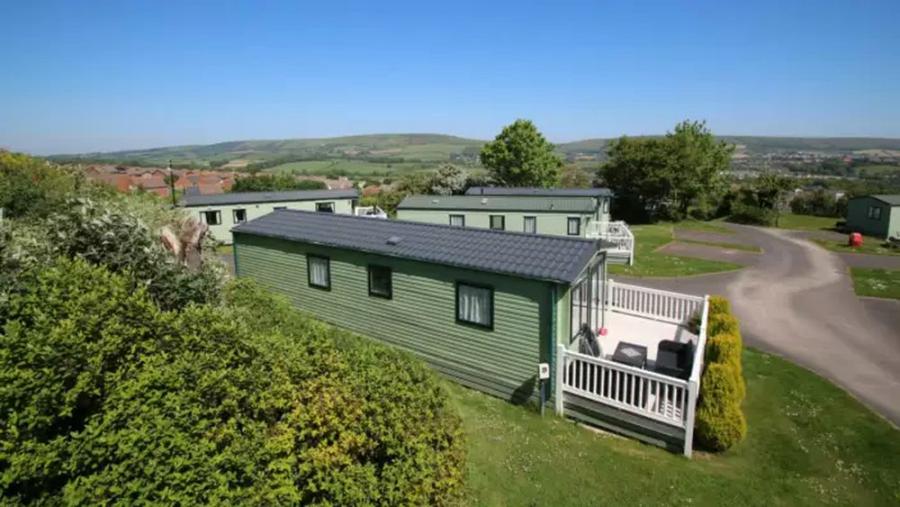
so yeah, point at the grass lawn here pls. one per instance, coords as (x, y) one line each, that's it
(870, 245)
(715, 226)
(806, 222)
(722, 244)
(224, 250)
(879, 283)
(809, 443)
(649, 262)
(352, 167)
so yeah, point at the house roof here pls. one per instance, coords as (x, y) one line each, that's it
(893, 200)
(499, 203)
(256, 197)
(541, 192)
(553, 258)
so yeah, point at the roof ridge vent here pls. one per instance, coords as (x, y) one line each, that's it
(394, 240)
(484, 200)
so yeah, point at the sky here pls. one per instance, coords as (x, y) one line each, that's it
(83, 76)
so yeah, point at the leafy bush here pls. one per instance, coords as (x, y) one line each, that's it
(726, 349)
(108, 399)
(33, 187)
(719, 305)
(112, 235)
(720, 422)
(719, 323)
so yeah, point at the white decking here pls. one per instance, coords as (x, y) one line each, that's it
(617, 233)
(641, 316)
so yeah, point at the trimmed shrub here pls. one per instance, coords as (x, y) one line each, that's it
(719, 305)
(726, 349)
(722, 323)
(106, 398)
(719, 420)
(719, 428)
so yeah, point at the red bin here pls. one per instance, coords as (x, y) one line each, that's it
(855, 239)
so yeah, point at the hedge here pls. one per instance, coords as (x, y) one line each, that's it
(720, 423)
(108, 399)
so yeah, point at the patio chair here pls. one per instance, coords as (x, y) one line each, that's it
(674, 358)
(588, 343)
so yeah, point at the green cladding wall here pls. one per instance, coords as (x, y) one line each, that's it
(859, 220)
(421, 316)
(547, 223)
(222, 231)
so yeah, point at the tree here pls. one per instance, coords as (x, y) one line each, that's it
(668, 177)
(520, 156)
(761, 200)
(33, 187)
(448, 180)
(575, 177)
(275, 182)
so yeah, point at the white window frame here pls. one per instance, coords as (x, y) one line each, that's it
(569, 222)
(502, 222)
(462, 219)
(216, 213)
(525, 221)
(465, 314)
(312, 259)
(234, 217)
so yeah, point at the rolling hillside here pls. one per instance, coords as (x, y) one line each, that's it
(428, 150)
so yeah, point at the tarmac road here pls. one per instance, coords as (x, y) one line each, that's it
(797, 300)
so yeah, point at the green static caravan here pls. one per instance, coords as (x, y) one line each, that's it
(221, 212)
(483, 307)
(875, 215)
(557, 216)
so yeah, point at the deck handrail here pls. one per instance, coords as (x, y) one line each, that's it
(645, 393)
(653, 303)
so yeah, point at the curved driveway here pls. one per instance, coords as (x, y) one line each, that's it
(797, 300)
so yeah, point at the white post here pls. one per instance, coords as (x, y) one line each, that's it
(560, 369)
(689, 419)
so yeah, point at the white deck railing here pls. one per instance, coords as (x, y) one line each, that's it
(645, 393)
(616, 232)
(652, 303)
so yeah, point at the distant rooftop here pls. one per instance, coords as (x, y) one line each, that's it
(499, 203)
(554, 258)
(257, 197)
(893, 199)
(541, 192)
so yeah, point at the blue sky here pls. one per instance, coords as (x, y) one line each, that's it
(86, 76)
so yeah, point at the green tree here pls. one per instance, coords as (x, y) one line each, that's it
(448, 180)
(520, 156)
(33, 187)
(575, 177)
(668, 177)
(274, 182)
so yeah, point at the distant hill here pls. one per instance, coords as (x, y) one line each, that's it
(429, 149)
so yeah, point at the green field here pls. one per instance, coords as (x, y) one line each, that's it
(808, 443)
(876, 170)
(649, 262)
(879, 283)
(350, 167)
(806, 222)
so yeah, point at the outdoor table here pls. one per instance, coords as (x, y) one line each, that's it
(630, 354)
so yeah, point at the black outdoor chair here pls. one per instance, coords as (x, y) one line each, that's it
(587, 342)
(675, 359)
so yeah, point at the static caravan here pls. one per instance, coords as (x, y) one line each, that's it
(875, 215)
(488, 308)
(221, 212)
(559, 212)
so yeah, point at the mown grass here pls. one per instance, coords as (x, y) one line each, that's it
(649, 262)
(806, 222)
(879, 283)
(714, 226)
(809, 443)
(871, 245)
(722, 244)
